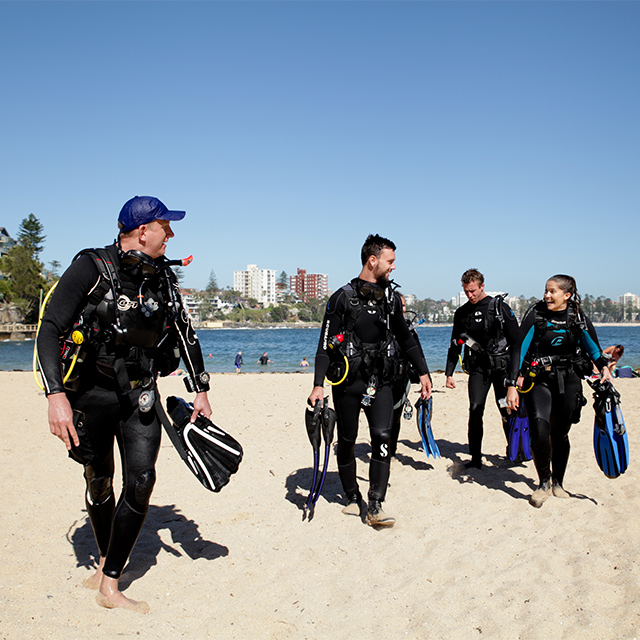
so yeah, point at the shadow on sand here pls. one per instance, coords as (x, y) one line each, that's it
(184, 534)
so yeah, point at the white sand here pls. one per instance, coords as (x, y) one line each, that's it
(468, 557)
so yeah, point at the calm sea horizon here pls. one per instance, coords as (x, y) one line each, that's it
(287, 346)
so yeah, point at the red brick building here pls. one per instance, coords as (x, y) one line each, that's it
(307, 286)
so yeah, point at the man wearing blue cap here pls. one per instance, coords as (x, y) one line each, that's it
(114, 324)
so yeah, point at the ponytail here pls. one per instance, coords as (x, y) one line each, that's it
(568, 285)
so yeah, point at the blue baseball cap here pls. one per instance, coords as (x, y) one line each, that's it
(143, 210)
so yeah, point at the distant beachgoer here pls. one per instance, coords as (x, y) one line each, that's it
(239, 361)
(615, 352)
(304, 363)
(264, 359)
(210, 355)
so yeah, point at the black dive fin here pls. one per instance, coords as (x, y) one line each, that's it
(211, 453)
(322, 421)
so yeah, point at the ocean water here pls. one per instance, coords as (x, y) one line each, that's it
(287, 347)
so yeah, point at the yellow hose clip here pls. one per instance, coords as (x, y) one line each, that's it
(344, 377)
(527, 391)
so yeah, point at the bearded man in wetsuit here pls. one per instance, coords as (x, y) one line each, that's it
(360, 323)
(488, 329)
(126, 302)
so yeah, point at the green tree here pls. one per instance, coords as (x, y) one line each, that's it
(282, 283)
(55, 268)
(24, 280)
(212, 285)
(31, 236)
(279, 313)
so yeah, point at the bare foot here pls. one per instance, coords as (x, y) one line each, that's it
(110, 597)
(540, 495)
(93, 582)
(559, 492)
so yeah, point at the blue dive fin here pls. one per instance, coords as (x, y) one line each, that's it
(620, 438)
(423, 417)
(605, 450)
(610, 440)
(519, 436)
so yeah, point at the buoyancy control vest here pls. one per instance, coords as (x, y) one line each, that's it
(125, 325)
(566, 334)
(496, 354)
(364, 358)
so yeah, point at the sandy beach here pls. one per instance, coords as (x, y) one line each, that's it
(468, 557)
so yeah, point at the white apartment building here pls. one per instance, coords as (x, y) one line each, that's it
(629, 301)
(256, 283)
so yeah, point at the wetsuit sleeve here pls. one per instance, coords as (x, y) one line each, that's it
(454, 347)
(331, 325)
(67, 303)
(409, 345)
(522, 344)
(589, 341)
(188, 342)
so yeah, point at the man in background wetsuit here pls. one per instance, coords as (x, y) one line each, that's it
(360, 322)
(129, 340)
(488, 329)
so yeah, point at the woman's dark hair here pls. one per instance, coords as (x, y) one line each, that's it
(373, 246)
(568, 285)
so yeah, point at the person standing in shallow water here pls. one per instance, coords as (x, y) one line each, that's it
(239, 361)
(555, 332)
(128, 343)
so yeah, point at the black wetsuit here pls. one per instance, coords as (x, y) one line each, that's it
(477, 321)
(106, 410)
(372, 328)
(555, 401)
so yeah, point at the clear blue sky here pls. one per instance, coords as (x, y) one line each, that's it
(498, 135)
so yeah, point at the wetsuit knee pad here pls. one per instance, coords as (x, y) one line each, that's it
(380, 445)
(144, 486)
(99, 490)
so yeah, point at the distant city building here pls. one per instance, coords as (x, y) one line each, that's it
(409, 299)
(191, 304)
(629, 301)
(629, 304)
(256, 283)
(307, 286)
(6, 241)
